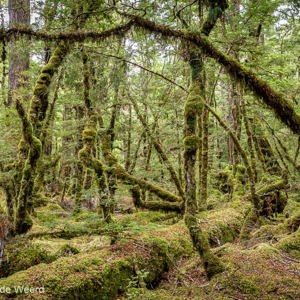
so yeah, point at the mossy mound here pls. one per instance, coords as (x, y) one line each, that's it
(224, 224)
(50, 215)
(104, 274)
(261, 272)
(21, 254)
(67, 250)
(146, 217)
(257, 273)
(83, 243)
(290, 244)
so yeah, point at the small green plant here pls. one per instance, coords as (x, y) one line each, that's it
(136, 285)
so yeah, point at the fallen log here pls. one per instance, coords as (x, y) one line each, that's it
(164, 206)
(103, 274)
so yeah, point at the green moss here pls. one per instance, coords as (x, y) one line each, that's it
(293, 223)
(211, 263)
(226, 181)
(22, 146)
(89, 134)
(291, 244)
(292, 208)
(50, 215)
(104, 274)
(191, 143)
(84, 156)
(247, 286)
(37, 146)
(22, 254)
(270, 231)
(194, 105)
(264, 249)
(223, 224)
(121, 173)
(67, 250)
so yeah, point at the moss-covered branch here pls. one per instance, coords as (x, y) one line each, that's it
(242, 153)
(39, 101)
(68, 36)
(277, 185)
(144, 184)
(50, 115)
(30, 146)
(163, 205)
(85, 154)
(276, 101)
(158, 147)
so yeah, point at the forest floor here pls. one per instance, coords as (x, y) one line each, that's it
(148, 255)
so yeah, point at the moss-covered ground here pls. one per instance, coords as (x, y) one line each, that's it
(148, 255)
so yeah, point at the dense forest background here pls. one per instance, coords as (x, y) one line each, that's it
(150, 149)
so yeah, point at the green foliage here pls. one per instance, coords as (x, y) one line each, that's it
(85, 115)
(21, 255)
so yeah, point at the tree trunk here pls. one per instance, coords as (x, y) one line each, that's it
(18, 58)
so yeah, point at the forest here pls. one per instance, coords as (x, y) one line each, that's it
(150, 150)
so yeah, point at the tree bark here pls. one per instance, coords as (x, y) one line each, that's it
(18, 57)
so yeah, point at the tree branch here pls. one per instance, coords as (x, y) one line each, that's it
(70, 36)
(282, 107)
